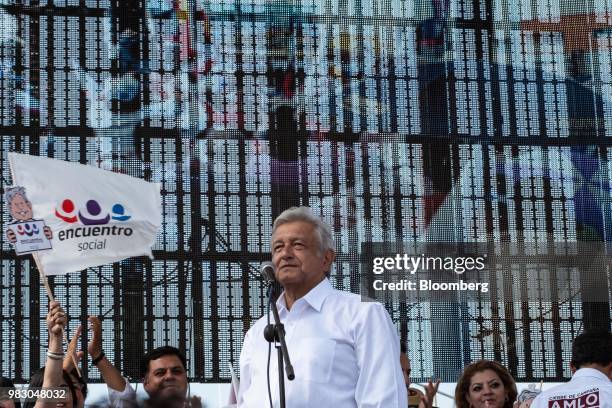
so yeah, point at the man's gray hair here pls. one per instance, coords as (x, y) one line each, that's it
(11, 192)
(305, 214)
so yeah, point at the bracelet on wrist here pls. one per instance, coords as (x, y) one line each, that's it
(96, 360)
(55, 355)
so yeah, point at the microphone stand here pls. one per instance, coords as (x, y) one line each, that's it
(275, 333)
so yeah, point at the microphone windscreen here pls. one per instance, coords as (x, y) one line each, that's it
(267, 272)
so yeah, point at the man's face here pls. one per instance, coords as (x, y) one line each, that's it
(20, 208)
(405, 363)
(166, 378)
(297, 256)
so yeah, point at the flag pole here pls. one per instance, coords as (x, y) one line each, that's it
(43, 277)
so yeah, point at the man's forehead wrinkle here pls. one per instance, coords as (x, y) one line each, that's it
(168, 367)
(287, 237)
(291, 235)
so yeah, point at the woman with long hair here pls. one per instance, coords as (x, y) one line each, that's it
(485, 384)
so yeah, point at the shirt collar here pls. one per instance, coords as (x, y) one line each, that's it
(315, 297)
(590, 372)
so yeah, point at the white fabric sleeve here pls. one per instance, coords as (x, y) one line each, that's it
(381, 381)
(245, 374)
(122, 399)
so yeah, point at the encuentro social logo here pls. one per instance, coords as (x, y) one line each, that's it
(90, 226)
(27, 229)
(92, 214)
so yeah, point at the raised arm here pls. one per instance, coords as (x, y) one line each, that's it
(56, 322)
(112, 377)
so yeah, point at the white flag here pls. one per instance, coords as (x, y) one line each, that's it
(96, 216)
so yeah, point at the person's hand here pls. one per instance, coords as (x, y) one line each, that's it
(194, 402)
(430, 392)
(10, 235)
(524, 404)
(56, 319)
(48, 232)
(69, 362)
(94, 347)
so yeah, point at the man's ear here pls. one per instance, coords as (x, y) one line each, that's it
(608, 370)
(572, 367)
(329, 258)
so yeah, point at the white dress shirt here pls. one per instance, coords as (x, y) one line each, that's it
(588, 388)
(345, 353)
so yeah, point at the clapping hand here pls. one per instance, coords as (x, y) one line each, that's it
(94, 347)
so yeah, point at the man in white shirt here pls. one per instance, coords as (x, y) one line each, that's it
(345, 352)
(164, 380)
(591, 383)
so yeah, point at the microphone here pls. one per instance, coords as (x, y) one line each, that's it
(275, 333)
(267, 273)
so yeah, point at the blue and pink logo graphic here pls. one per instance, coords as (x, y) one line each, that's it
(91, 215)
(27, 229)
